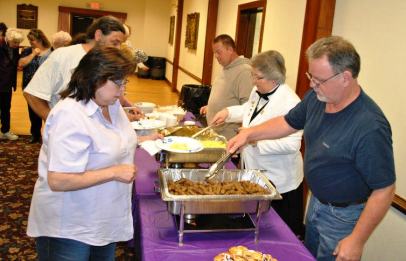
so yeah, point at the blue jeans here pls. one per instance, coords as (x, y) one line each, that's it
(62, 249)
(326, 225)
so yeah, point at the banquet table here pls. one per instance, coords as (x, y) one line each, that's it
(157, 238)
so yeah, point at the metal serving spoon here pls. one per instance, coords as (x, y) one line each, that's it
(205, 129)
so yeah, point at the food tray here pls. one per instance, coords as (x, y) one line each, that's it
(216, 204)
(207, 155)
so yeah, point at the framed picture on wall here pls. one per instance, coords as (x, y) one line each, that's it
(171, 29)
(192, 29)
(27, 16)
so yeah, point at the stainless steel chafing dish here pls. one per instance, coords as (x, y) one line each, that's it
(183, 205)
(207, 155)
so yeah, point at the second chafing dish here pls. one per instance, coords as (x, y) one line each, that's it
(214, 204)
(183, 206)
(207, 155)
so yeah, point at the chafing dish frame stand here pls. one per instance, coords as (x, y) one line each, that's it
(181, 227)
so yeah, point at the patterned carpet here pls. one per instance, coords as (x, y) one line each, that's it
(18, 173)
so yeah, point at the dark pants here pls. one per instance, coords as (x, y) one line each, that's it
(5, 106)
(63, 249)
(36, 124)
(290, 209)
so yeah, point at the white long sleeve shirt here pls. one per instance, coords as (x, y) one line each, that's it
(280, 158)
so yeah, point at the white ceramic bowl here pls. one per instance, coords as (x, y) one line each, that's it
(146, 107)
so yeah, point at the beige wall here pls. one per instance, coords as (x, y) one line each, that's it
(379, 34)
(149, 24)
(283, 30)
(192, 60)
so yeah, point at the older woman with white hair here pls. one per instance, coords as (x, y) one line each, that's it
(9, 56)
(60, 39)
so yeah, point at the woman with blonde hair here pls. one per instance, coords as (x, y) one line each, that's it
(31, 58)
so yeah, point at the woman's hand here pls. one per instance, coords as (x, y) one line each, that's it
(153, 136)
(220, 117)
(63, 181)
(124, 172)
(36, 51)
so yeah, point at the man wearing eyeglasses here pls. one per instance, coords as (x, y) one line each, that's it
(348, 161)
(52, 77)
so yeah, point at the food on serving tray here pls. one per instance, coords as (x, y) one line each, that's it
(213, 144)
(179, 146)
(187, 187)
(223, 257)
(241, 253)
(237, 250)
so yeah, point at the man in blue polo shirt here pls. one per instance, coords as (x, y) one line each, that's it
(348, 161)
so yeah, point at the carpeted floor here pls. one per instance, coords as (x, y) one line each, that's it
(18, 173)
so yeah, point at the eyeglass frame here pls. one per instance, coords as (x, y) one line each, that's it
(318, 83)
(120, 83)
(256, 77)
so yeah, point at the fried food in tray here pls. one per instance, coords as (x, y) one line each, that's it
(187, 187)
(241, 253)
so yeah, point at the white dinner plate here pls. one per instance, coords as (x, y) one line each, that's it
(147, 124)
(179, 144)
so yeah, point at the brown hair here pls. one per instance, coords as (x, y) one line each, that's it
(106, 24)
(100, 64)
(36, 34)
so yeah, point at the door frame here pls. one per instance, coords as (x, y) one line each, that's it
(248, 6)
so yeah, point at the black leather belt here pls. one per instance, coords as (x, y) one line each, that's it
(343, 204)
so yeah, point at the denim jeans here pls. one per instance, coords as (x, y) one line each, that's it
(326, 225)
(62, 249)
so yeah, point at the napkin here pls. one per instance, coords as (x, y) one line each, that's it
(150, 147)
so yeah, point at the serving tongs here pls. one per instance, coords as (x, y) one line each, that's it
(204, 130)
(201, 131)
(214, 169)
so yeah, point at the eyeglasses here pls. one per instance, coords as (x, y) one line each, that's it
(317, 82)
(257, 77)
(120, 83)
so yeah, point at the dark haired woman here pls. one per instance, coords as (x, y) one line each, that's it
(31, 58)
(81, 203)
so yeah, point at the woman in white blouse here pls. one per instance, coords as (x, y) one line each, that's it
(280, 158)
(81, 203)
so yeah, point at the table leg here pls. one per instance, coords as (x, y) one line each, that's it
(181, 224)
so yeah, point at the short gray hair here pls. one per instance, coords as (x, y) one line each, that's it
(14, 35)
(271, 64)
(340, 53)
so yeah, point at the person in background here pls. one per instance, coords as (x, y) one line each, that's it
(81, 205)
(280, 158)
(348, 162)
(9, 55)
(231, 87)
(31, 58)
(60, 39)
(79, 38)
(42, 93)
(139, 55)
(3, 30)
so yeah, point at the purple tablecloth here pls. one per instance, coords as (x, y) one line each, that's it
(158, 239)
